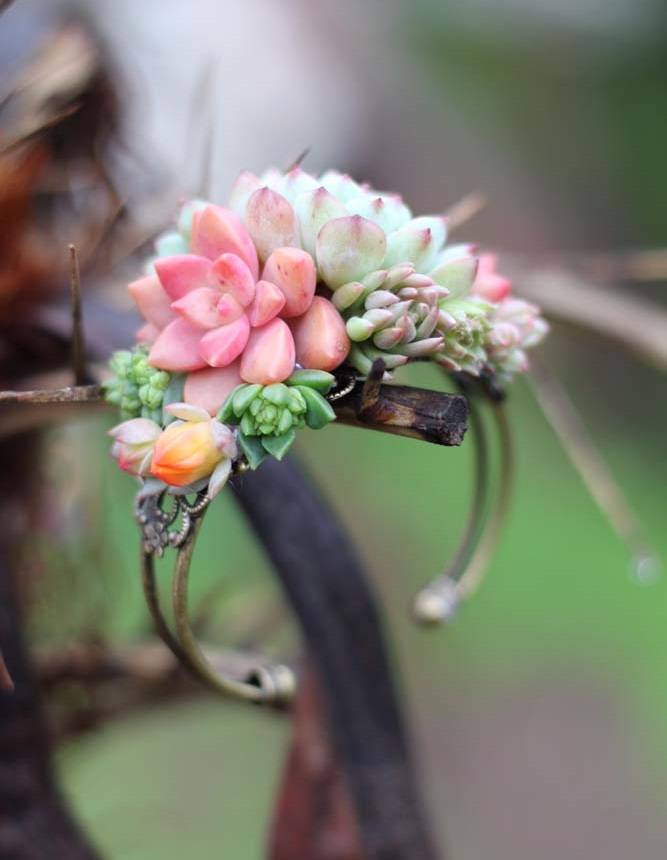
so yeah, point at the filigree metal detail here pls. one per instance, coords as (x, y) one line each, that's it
(157, 513)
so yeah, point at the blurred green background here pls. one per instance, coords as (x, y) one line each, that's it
(540, 715)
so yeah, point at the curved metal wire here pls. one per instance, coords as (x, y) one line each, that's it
(439, 600)
(265, 683)
(474, 573)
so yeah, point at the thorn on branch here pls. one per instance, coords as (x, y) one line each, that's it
(370, 393)
(78, 345)
(464, 210)
(299, 159)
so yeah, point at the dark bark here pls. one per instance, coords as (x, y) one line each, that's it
(417, 412)
(34, 824)
(338, 615)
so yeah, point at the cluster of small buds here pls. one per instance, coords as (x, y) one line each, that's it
(391, 313)
(267, 416)
(270, 410)
(464, 325)
(137, 388)
(516, 326)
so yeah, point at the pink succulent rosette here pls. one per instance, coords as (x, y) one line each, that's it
(213, 315)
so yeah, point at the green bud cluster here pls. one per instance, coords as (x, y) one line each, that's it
(273, 411)
(465, 328)
(268, 415)
(136, 388)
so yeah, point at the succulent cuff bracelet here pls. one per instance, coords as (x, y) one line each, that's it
(276, 313)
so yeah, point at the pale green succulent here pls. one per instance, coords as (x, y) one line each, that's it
(137, 388)
(391, 313)
(464, 325)
(349, 228)
(403, 292)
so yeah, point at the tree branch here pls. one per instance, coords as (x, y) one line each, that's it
(635, 322)
(69, 394)
(431, 416)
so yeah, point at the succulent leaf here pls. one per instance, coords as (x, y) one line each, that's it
(278, 446)
(276, 394)
(243, 397)
(253, 449)
(319, 411)
(348, 248)
(320, 380)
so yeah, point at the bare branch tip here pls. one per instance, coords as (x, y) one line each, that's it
(78, 345)
(299, 159)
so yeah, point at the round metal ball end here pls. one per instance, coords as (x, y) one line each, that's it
(277, 684)
(436, 605)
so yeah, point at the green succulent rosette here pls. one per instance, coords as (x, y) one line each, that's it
(136, 388)
(268, 415)
(464, 325)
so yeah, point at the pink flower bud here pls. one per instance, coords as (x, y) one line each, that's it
(133, 444)
(189, 450)
(489, 284)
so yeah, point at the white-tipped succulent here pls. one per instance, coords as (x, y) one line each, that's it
(403, 292)
(393, 314)
(463, 321)
(350, 229)
(388, 271)
(515, 326)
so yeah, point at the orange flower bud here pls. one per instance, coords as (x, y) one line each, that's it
(191, 449)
